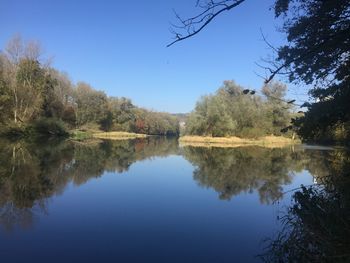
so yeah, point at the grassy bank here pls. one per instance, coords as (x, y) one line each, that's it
(267, 141)
(78, 135)
(117, 135)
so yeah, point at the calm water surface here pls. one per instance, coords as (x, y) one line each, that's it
(145, 200)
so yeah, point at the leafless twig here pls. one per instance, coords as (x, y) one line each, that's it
(195, 24)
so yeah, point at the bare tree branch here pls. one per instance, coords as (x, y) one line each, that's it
(211, 10)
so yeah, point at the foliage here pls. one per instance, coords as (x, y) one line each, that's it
(316, 227)
(49, 127)
(91, 104)
(211, 118)
(107, 121)
(5, 97)
(80, 135)
(318, 54)
(31, 94)
(277, 108)
(13, 130)
(230, 112)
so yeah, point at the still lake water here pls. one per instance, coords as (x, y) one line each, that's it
(146, 200)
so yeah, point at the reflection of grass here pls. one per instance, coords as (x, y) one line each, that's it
(80, 135)
(118, 135)
(267, 141)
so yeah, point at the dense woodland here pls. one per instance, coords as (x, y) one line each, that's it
(235, 111)
(36, 98)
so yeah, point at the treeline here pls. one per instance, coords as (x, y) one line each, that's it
(35, 97)
(235, 111)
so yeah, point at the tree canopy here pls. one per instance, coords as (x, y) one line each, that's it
(36, 96)
(318, 55)
(234, 112)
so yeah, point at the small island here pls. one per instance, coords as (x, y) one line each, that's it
(266, 141)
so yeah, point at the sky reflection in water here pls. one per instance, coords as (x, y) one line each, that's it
(144, 200)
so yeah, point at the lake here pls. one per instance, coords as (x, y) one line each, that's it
(146, 200)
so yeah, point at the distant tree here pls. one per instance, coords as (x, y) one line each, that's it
(107, 121)
(5, 96)
(122, 111)
(24, 78)
(277, 107)
(211, 118)
(52, 104)
(245, 109)
(231, 112)
(30, 83)
(91, 104)
(69, 116)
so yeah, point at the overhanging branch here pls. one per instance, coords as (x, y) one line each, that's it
(211, 10)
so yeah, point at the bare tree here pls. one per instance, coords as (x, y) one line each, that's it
(20, 58)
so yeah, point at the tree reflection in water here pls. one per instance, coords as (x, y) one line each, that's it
(231, 171)
(30, 173)
(316, 227)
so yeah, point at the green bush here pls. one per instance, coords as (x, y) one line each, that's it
(252, 133)
(48, 127)
(13, 130)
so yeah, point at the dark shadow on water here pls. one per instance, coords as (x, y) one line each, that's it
(316, 226)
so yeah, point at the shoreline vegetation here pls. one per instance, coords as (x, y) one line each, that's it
(37, 100)
(265, 141)
(59, 108)
(118, 135)
(194, 141)
(78, 135)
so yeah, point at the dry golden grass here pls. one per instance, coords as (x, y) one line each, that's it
(118, 135)
(267, 141)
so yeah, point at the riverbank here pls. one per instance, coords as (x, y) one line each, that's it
(206, 141)
(117, 135)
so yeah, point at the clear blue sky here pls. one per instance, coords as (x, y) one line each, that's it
(119, 46)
